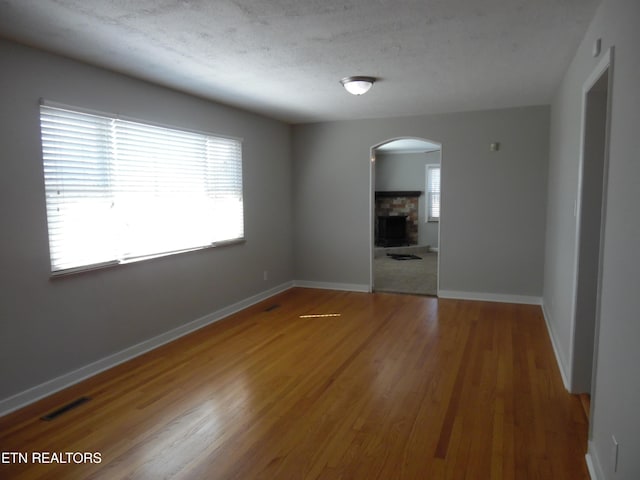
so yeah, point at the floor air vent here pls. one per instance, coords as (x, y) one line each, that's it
(272, 307)
(65, 408)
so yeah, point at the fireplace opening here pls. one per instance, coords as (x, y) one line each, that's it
(395, 204)
(391, 231)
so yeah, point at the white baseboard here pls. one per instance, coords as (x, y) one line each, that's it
(349, 287)
(33, 394)
(593, 465)
(489, 297)
(564, 373)
(592, 473)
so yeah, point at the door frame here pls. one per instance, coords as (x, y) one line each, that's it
(604, 66)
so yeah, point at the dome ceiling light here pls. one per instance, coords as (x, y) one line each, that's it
(357, 85)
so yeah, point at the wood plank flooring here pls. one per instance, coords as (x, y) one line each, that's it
(396, 387)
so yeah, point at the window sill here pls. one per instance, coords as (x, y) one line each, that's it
(115, 263)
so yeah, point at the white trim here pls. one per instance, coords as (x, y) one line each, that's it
(593, 464)
(372, 214)
(348, 287)
(610, 54)
(604, 64)
(564, 373)
(490, 297)
(49, 387)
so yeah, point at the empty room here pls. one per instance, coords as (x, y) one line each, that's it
(196, 197)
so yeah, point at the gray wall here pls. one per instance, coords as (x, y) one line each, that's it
(49, 327)
(617, 380)
(493, 203)
(407, 171)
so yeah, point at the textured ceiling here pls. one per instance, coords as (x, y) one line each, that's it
(284, 58)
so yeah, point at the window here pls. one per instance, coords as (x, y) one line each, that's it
(119, 190)
(433, 193)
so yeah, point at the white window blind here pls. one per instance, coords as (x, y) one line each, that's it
(433, 192)
(119, 190)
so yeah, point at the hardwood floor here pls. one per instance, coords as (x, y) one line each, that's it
(396, 387)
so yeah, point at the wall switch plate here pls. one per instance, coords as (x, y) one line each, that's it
(265, 275)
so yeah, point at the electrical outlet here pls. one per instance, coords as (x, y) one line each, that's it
(614, 453)
(265, 275)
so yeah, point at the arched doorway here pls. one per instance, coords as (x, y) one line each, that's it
(405, 215)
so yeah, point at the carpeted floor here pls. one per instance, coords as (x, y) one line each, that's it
(418, 277)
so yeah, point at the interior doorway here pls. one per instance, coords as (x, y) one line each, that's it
(405, 219)
(590, 218)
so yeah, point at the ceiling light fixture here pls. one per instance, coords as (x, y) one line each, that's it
(357, 85)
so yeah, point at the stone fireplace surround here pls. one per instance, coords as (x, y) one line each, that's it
(400, 203)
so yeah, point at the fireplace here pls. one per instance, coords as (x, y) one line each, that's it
(398, 206)
(391, 231)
